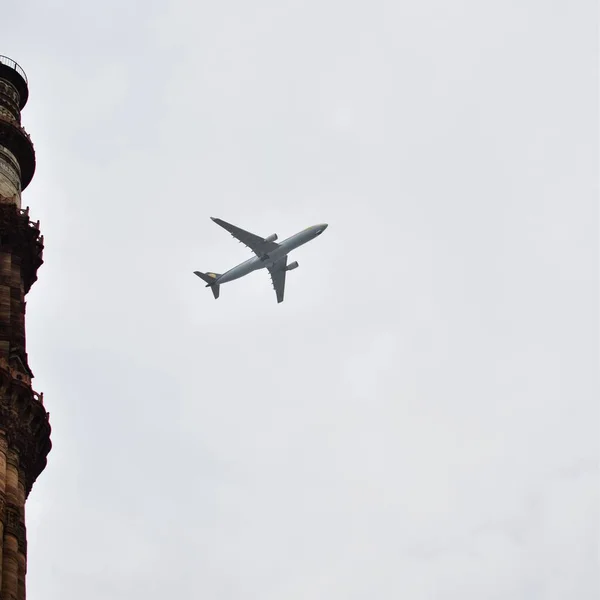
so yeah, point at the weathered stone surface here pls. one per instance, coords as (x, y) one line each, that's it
(24, 422)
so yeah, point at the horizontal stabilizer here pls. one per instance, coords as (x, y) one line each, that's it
(211, 280)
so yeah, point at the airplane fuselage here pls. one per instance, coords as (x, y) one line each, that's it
(284, 248)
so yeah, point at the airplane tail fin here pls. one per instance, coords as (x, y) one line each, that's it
(211, 281)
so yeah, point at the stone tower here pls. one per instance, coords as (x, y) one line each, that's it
(24, 423)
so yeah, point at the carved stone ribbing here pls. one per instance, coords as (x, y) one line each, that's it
(13, 136)
(11, 525)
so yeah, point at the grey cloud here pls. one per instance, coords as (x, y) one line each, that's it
(403, 425)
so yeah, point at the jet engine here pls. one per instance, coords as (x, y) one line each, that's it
(292, 266)
(271, 238)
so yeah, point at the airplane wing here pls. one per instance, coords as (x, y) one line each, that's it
(277, 272)
(258, 245)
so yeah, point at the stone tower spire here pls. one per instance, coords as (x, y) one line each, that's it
(24, 423)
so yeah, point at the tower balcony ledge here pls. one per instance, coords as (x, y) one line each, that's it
(20, 236)
(24, 421)
(16, 375)
(12, 71)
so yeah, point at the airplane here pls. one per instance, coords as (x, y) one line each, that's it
(269, 255)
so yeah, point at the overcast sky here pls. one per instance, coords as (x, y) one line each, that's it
(419, 418)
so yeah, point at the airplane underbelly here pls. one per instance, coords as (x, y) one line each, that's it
(237, 272)
(275, 255)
